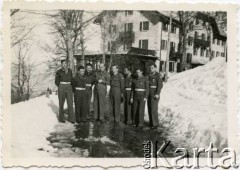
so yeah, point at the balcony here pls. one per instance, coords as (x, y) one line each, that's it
(127, 37)
(140, 51)
(201, 43)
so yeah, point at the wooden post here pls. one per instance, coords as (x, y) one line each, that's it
(168, 48)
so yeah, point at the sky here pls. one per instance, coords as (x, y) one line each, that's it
(41, 35)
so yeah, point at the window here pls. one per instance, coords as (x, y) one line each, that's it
(173, 29)
(172, 46)
(109, 46)
(202, 52)
(189, 58)
(190, 42)
(162, 65)
(163, 44)
(213, 54)
(143, 44)
(196, 35)
(214, 41)
(171, 66)
(223, 43)
(128, 27)
(218, 42)
(144, 26)
(203, 36)
(195, 51)
(222, 54)
(217, 53)
(128, 13)
(165, 27)
(207, 53)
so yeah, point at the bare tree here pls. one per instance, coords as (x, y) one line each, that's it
(186, 19)
(20, 29)
(24, 77)
(112, 35)
(69, 26)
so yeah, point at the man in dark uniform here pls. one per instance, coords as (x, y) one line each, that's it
(128, 106)
(101, 80)
(79, 86)
(116, 91)
(140, 91)
(89, 84)
(155, 86)
(63, 80)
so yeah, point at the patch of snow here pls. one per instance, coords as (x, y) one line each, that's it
(105, 139)
(193, 105)
(32, 121)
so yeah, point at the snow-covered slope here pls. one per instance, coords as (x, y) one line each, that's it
(193, 105)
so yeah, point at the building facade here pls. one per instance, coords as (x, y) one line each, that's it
(205, 41)
(143, 35)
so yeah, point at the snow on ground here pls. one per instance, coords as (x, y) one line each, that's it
(32, 122)
(193, 105)
(193, 108)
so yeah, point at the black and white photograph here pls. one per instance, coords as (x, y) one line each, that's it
(101, 83)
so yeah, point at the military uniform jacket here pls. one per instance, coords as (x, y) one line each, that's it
(79, 81)
(101, 75)
(117, 81)
(62, 76)
(128, 82)
(156, 80)
(141, 83)
(89, 78)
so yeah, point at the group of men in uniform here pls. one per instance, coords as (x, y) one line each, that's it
(133, 92)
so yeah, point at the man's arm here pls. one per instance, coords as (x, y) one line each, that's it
(74, 82)
(132, 89)
(146, 87)
(122, 83)
(159, 85)
(57, 78)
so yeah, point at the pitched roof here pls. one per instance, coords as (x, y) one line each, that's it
(153, 16)
(216, 31)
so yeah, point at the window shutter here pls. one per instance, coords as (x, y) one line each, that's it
(140, 43)
(140, 26)
(147, 25)
(131, 27)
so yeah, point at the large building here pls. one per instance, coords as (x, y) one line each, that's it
(205, 40)
(139, 37)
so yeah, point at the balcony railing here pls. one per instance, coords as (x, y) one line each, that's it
(201, 43)
(127, 36)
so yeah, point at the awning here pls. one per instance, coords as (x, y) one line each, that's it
(142, 52)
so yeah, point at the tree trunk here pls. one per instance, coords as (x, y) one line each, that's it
(168, 48)
(110, 62)
(70, 52)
